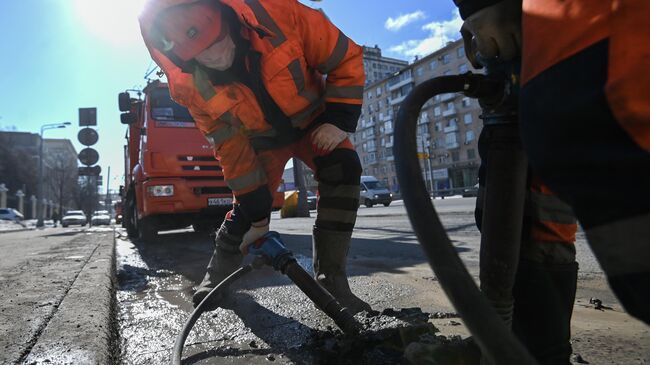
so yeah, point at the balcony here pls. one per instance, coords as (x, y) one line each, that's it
(452, 145)
(451, 128)
(447, 96)
(389, 144)
(404, 81)
(397, 100)
(449, 112)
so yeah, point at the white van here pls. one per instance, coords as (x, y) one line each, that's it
(374, 192)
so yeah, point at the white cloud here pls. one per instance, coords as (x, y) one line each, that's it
(401, 21)
(439, 34)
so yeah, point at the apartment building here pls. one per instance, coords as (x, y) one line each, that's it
(378, 67)
(448, 126)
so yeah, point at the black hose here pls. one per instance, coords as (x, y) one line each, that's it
(180, 339)
(495, 340)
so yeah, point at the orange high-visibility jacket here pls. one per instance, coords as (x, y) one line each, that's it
(554, 30)
(307, 65)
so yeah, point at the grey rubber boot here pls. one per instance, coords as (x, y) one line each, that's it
(225, 260)
(330, 254)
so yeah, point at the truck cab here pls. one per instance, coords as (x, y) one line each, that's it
(374, 192)
(172, 178)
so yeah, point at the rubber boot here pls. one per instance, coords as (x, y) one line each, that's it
(225, 260)
(330, 254)
(544, 296)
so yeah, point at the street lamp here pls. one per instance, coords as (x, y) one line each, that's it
(39, 209)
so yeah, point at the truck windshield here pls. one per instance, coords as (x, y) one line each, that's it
(164, 110)
(374, 185)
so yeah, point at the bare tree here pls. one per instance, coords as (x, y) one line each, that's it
(62, 181)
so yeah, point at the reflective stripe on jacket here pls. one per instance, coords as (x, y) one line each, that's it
(306, 63)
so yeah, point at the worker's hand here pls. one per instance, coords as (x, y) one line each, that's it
(257, 230)
(493, 32)
(326, 137)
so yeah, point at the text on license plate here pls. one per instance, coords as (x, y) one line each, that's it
(219, 201)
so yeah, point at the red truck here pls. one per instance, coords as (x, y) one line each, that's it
(172, 179)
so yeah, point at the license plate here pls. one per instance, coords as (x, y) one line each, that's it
(213, 202)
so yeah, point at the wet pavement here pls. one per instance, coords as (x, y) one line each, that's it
(268, 320)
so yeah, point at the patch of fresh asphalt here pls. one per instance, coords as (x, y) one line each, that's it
(268, 320)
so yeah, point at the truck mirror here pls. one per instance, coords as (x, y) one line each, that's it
(124, 102)
(127, 118)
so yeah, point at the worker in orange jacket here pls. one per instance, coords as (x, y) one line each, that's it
(585, 121)
(267, 81)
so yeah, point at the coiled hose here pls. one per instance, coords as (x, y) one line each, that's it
(496, 341)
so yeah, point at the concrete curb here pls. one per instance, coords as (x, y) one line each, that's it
(83, 330)
(16, 230)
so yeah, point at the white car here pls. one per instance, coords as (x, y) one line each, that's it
(10, 214)
(100, 217)
(74, 217)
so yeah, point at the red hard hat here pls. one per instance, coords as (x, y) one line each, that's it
(189, 29)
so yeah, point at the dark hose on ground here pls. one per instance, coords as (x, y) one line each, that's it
(180, 339)
(496, 341)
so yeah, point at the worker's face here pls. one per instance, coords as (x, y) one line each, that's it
(218, 56)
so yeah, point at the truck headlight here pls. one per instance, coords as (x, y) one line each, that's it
(391, 195)
(376, 196)
(161, 190)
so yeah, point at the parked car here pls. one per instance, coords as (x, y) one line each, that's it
(11, 214)
(469, 192)
(74, 217)
(312, 199)
(100, 217)
(374, 192)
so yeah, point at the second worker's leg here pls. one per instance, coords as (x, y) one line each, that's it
(338, 175)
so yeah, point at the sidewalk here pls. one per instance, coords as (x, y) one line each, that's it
(57, 297)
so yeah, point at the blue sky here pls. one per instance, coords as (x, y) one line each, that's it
(60, 55)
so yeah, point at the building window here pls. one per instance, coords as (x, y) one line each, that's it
(471, 154)
(461, 52)
(436, 111)
(455, 156)
(447, 73)
(419, 71)
(450, 106)
(369, 95)
(469, 136)
(462, 68)
(467, 118)
(438, 127)
(466, 102)
(445, 59)
(378, 91)
(424, 117)
(433, 65)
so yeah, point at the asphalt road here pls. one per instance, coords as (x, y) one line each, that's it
(268, 320)
(55, 296)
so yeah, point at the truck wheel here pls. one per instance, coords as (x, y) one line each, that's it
(130, 218)
(386, 204)
(368, 203)
(147, 232)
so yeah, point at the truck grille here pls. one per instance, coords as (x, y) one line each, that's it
(197, 158)
(201, 168)
(212, 190)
